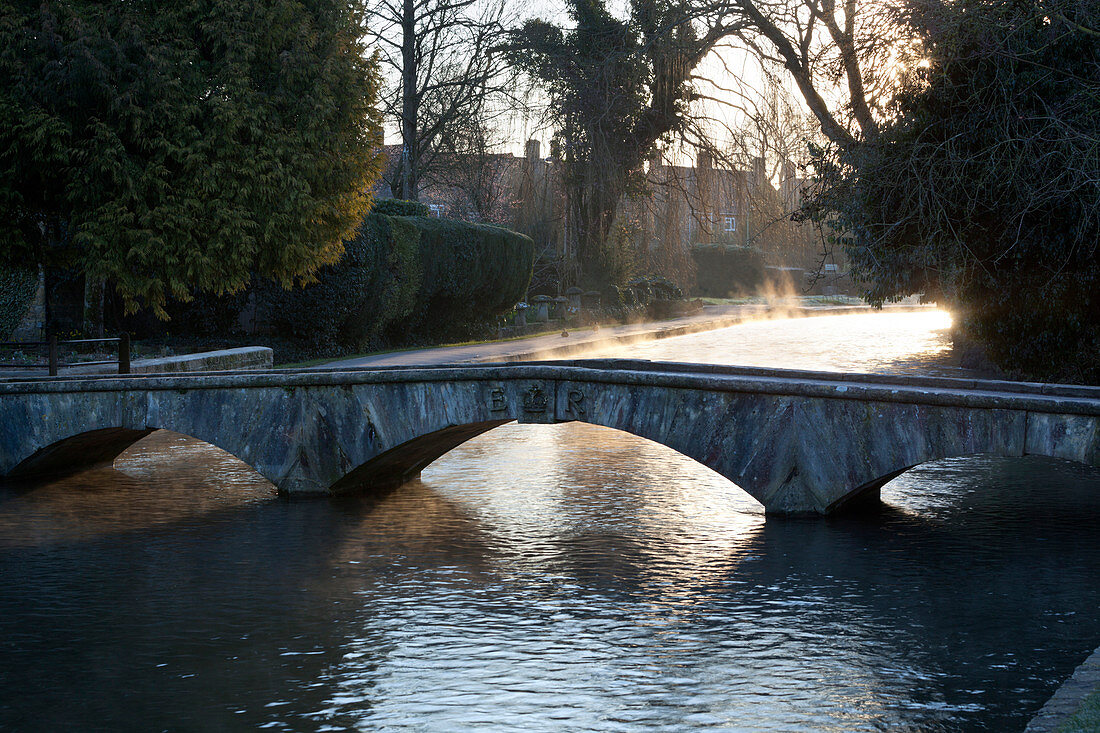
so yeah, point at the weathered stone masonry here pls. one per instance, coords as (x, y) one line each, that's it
(796, 441)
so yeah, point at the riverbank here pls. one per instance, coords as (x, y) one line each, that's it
(1075, 706)
(577, 342)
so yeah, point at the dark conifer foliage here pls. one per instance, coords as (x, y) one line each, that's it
(616, 86)
(170, 147)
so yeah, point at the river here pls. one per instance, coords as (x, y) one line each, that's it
(552, 578)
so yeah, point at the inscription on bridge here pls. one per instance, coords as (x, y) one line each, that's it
(498, 402)
(527, 402)
(574, 406)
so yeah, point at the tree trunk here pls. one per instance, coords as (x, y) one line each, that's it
(596, 204)
(93, 307)
(410, 183)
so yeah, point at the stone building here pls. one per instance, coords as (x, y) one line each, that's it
(683, 206)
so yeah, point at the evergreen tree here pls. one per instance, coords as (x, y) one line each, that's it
(171, 146)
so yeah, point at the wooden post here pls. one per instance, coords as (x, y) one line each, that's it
(124, 353)
(53, 354)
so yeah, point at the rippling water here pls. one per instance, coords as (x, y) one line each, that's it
(548, 578)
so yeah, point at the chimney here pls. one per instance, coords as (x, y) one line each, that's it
(789, 172)
(704, 160)
(788, 182)
(532, 150)
(759, 175)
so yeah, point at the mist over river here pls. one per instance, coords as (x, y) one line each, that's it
(551, 578)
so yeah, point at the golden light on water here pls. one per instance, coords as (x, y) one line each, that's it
(884, 342)
(165, 479)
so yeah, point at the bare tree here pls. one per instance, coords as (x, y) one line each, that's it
(616, 86)
(438, 57)
(468, 164)
(773, 141)
(844, 56)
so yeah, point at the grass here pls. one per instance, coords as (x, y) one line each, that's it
(1086, 718)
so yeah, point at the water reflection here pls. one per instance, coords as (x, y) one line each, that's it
(163, 478)
(650, 617)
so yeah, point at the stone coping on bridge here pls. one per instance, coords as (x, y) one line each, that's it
(249, 358)
(946, 391)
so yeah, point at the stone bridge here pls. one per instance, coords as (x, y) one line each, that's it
(796, 441)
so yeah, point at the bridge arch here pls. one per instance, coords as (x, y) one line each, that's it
(84, 450)
(95, 448)
(405, 462)
(922, 434)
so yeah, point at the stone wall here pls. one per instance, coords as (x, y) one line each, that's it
(245, 357)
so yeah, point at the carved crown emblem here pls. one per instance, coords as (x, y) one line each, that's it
(534, 399)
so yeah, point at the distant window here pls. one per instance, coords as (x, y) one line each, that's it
(729, 223)
(436, 209)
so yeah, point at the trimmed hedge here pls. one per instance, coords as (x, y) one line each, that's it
(472, 274)
(725, 270)
(17, 288)
(401, 279)
(374, 284)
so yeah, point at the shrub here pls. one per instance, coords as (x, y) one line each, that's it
(727, 270)
(979, 189)
(403, 278)
(206, 313)
(654, 287)
(17, 288)
(399, 207)
(396, 277)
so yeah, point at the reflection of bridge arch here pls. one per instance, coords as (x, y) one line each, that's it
(795, 441)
